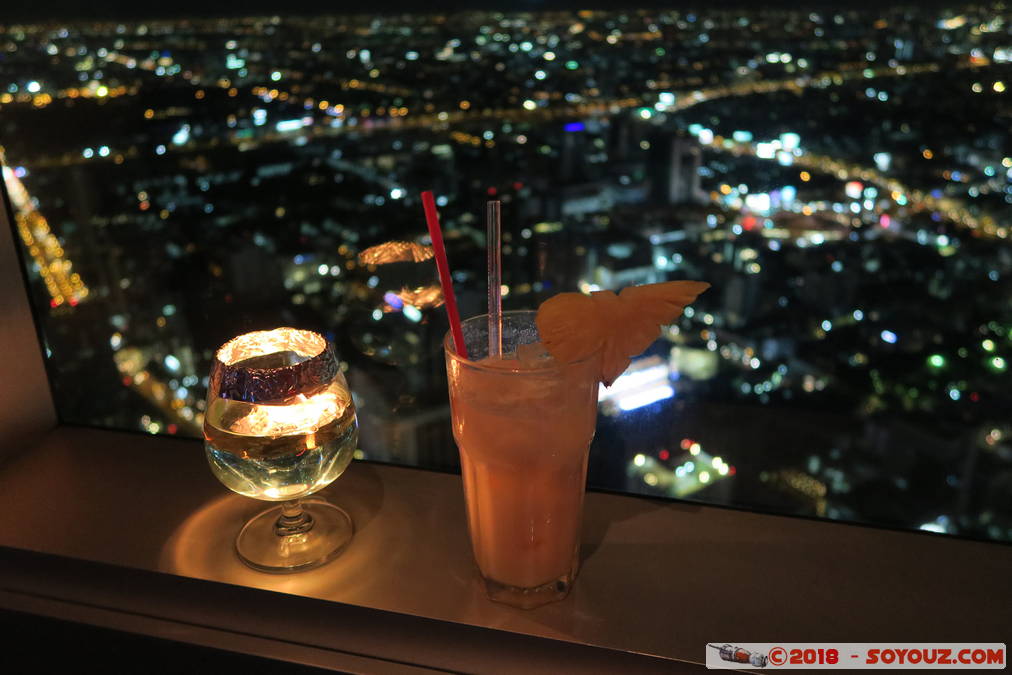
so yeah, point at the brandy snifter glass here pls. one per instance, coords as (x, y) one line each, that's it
(280, 425)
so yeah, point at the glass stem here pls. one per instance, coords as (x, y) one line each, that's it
(293, 520)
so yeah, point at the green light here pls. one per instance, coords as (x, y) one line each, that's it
(572, 65)
(988, 345)
(936, 361)
(998, 363)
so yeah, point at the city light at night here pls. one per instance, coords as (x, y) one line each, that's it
(841, 176)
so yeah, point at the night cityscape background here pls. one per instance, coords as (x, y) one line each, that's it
(842, 177)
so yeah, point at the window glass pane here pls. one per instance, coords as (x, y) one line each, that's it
(841, 178)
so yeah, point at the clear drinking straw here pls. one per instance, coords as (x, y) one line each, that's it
(494, 245)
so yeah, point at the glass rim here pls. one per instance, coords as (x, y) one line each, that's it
(286, 336)
(451, 351)
(278, 384)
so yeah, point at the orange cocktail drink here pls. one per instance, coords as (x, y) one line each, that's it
(523, 424)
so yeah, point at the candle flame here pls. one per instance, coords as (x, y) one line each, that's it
(302, 416)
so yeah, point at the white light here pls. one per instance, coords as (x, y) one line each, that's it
(397, 193)
(765, 150)
(932, 527)
(34, 87)
(888, 336)
(88, 153)
(759, 202)
(645, 397)
(322, 269)
(181, 136)
(704, 476)
(637, 379)
(530, 105)
(694, 449)
(858, 315)
(790, 140)
(160, 150)
(104, 151)
(276, 75)
(377, 314)
(412, 313)
(549, 56)
(639, 460)
(827, 325)
(288, 125)
(540, 74)
(172, 363)
(116, 340)
(717, 461)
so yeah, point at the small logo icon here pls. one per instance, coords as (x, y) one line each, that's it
(729, 652)
(778, 656)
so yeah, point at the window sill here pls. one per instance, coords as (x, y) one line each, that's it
(133, 532)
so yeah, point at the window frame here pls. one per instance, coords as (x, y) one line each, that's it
(759, 551)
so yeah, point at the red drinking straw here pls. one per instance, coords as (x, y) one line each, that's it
(436, 234)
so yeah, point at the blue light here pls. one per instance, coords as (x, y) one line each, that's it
(575, 126)
(393, 300)
(888, 336)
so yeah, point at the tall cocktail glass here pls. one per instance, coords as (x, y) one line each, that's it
(523, 427)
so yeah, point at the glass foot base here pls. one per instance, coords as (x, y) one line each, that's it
(528, 598)
(260, 546)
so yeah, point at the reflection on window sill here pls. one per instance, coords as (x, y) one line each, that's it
(657, 578)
